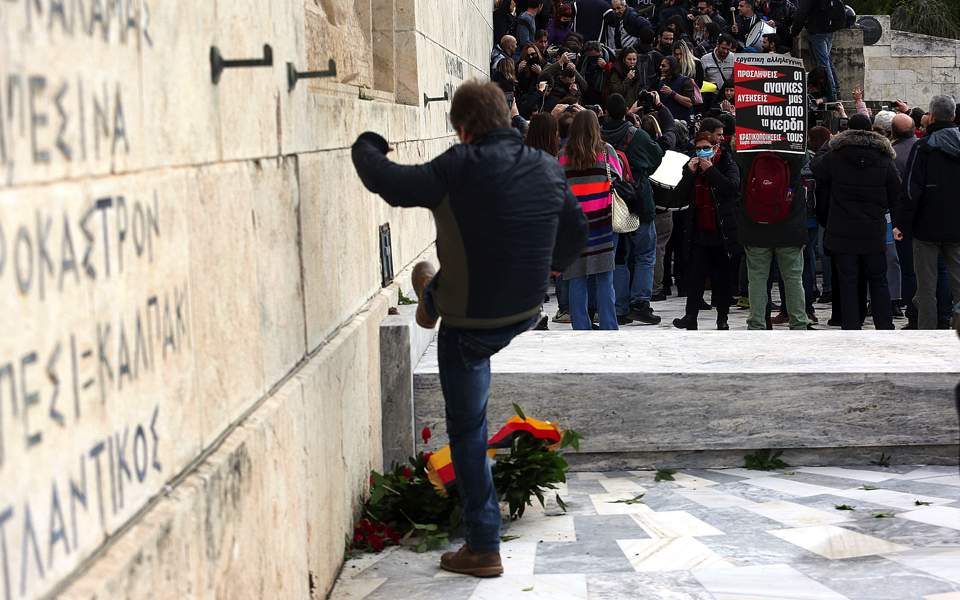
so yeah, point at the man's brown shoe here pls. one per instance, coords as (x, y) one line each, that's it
(468, 562)
(423, 273)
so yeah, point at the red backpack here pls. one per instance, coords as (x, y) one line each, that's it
(768, 196)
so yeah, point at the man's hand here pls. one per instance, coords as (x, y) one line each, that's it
(601, 63)
(656, 99)
(901, 107)
(857, 95)
(665, 90)
(636, 107)
(897, 234)
(558, 109)
(542, 86)
(564, 59)
(734, 28)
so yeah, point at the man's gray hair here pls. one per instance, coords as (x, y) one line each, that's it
(943, 108)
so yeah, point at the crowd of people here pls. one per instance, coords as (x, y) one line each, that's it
(871, 225)
(602, 95)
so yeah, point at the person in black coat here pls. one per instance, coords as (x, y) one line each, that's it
(928, 210)
(711, 180)
(861, 182)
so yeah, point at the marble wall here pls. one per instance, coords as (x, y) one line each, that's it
(911, 67)
(190, 283)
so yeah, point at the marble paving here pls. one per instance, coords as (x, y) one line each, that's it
(717, 534)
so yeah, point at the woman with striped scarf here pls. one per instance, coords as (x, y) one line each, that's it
(587, 161)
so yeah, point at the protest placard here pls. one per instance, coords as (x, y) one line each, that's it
(771, 102)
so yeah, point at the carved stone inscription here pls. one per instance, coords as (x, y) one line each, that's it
(95, 367)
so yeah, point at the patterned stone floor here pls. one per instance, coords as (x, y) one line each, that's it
(726, 534)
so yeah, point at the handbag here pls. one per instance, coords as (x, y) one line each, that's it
(623, 220)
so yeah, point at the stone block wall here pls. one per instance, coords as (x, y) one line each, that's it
(190, 283)
(911, 67)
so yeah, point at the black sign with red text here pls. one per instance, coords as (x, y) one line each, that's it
(771, 92)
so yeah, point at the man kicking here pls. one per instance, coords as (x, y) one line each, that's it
(505, 219)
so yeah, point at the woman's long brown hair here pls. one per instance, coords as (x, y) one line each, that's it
(544, 134)
(585, 142)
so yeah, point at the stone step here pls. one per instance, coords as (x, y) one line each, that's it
(706, 398)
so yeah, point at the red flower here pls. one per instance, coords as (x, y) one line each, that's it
(426, 456)
(376, 543)
(392, 534)
(357, 536)
(425, 434)
(365, 526)
(407, 473)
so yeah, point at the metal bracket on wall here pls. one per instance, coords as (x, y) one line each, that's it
(427, 100)
(218, 63)
(293, 76)
(386, 255)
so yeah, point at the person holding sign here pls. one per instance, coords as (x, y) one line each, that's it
(770, 92)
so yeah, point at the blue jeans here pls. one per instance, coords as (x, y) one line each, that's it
(606, 307)
(634, 280)
(822, 45)
(463, 356)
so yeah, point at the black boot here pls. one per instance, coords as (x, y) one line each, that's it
(722, 324)
(643, 313)
(687, 322)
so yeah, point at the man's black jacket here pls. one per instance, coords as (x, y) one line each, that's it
(929, 207)
(505, 218)
(812, 15)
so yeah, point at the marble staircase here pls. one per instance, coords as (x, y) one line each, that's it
(660, 397)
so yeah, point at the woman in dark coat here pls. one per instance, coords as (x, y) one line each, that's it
(859, 178)
(711, 180)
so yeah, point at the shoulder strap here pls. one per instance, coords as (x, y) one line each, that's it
(716, 63)
(606, 163)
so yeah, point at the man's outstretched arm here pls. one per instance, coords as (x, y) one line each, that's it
(400, 185)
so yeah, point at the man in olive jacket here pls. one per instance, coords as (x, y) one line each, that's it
(505, 219)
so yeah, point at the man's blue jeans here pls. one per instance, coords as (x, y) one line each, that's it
(463, 356)
(606, 308)
(822, 45)
(634, 280)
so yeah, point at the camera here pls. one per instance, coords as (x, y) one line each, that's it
(645, 100)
